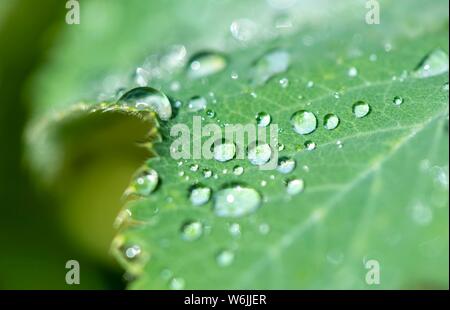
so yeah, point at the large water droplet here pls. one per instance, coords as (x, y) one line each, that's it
(204, 64)
(304, 122)
(263, 119)
(191, 231)
(236, 201)
(295, 186)
(144, 184)
(225, 258)
(224, 151)
(274, 62)
(286, 165)
(360, 109)
(147, 99)
(197, 103)
(259, 154)
(330, 121)
(199, 195)
(435, 63)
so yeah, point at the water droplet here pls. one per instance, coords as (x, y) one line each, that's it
(310, 84)
(330, 121)
(199, 195)
(264, 228)
(211, 113)
(310, 145)
(339, 144)
(263, 183)
(132, 252)
(197, 103)
(224, 151)
(225, 258)
(147, 99)
(235, 230)
(204, 64)
(304, 122)
(193, 167)
(280, 146)
(243, 29)
(421, 214)
(445, 87)
(373, 57)
(435, 63)
(284, 82)
(352, 72)
(238, 170)
(274, 62)
(295, 186)
(397, 100)
(236, 201)
(191, 231)
(263, 119)
(207, 173)
(259, 154)
(234, 75)
(177, 284)
(286, 165)
(145, 183)
(361, 109)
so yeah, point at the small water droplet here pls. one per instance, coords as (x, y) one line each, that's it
(191, 231)
(360, 109)
(259, 154)
(421, 214)
(199, 195)
(197, 103)
(263, 183)
(286, 165)
(445, 87)
(280, 146)
(295, 186)
(238, 170)
(177, 284)
(310, 84)
(211, 113)
(243, 29)
(310, 145)
(304, 122)
(263, 119)
(132, 252)
(274, 62)
(234, 75)
(330, 121)
(236, 201)
(235, 229)
(145, 183)
(264, 228)
(352, 72)
(204, 64)
(225, 258)
(339, 144)
(284, 82)
(435, 63)
(207, 173)
(147, 99)
(373, 57)
(224, 151)
(397, 100)
(193, 167)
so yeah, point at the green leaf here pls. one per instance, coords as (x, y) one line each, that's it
(376, 187)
